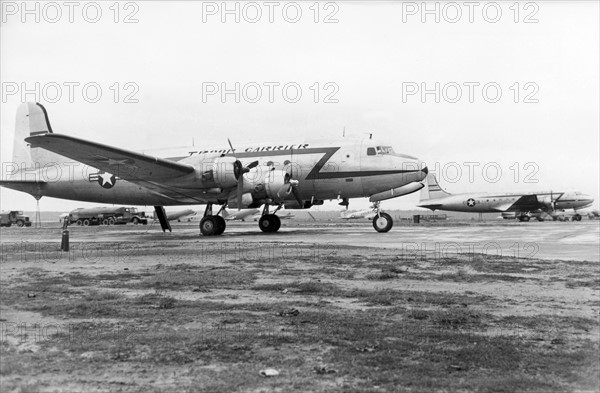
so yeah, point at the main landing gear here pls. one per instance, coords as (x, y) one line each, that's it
(382, 222)
(269, 223)
(212, 225)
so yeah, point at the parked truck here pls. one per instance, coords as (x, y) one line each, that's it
(14, 217)
(107, 216)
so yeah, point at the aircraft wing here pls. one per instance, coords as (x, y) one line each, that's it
(525, 203)
(123, 163)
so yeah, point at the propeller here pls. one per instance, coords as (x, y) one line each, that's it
(238, 171)
(294, 183)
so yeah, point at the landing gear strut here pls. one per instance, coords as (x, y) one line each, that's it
(382, 222)
(269, 223)
(212, 225)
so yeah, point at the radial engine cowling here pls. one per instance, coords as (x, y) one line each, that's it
(224, 171)
(274, 185)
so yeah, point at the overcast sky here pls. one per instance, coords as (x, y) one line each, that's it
(368, 63)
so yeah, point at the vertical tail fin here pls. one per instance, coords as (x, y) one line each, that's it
(433, 189)
(32, 119)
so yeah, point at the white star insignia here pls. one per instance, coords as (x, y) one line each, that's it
(106, 178)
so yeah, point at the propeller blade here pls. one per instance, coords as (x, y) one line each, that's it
(240, 191)
(252, 165)
(284, 190)
(232, 149)
(297, 196)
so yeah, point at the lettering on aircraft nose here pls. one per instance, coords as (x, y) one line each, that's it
(470, 202)
(106, 180)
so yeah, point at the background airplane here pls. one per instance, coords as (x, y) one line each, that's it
(179, 215)
(282, 214)
(239, 215)
(296, 176)
(367, 213)
(512, 205)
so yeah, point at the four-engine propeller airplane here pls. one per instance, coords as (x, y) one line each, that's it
(512, 205)
(295, 176)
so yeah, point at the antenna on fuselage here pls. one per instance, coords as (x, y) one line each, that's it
(344, 132)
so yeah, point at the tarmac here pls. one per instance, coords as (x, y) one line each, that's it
(543, 240)
(578, 241)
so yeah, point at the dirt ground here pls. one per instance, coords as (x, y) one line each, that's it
(132, 310)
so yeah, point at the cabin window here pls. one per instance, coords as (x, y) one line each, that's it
(371, 151)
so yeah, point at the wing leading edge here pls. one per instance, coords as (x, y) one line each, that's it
(126, 164)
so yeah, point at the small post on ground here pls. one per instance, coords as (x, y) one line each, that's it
(38, 216)
(64, 245)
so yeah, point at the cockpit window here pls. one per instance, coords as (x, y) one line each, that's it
(384, 150)
(371, 151)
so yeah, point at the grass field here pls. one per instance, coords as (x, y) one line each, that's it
(358, 319)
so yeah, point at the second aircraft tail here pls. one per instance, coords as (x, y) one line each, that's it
(432, 189)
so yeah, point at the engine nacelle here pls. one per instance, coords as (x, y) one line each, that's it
(223, 171)
(272, 184)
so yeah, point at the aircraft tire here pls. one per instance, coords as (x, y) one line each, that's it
(276, 223)
(209, 226)
(269, 223)
(577, 217)
(383, 222)
(221, 225)
(525, 218)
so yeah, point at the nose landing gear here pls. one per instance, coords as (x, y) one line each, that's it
(382, 222)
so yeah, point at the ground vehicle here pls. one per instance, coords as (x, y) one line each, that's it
(107, 216)
(14, 217)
